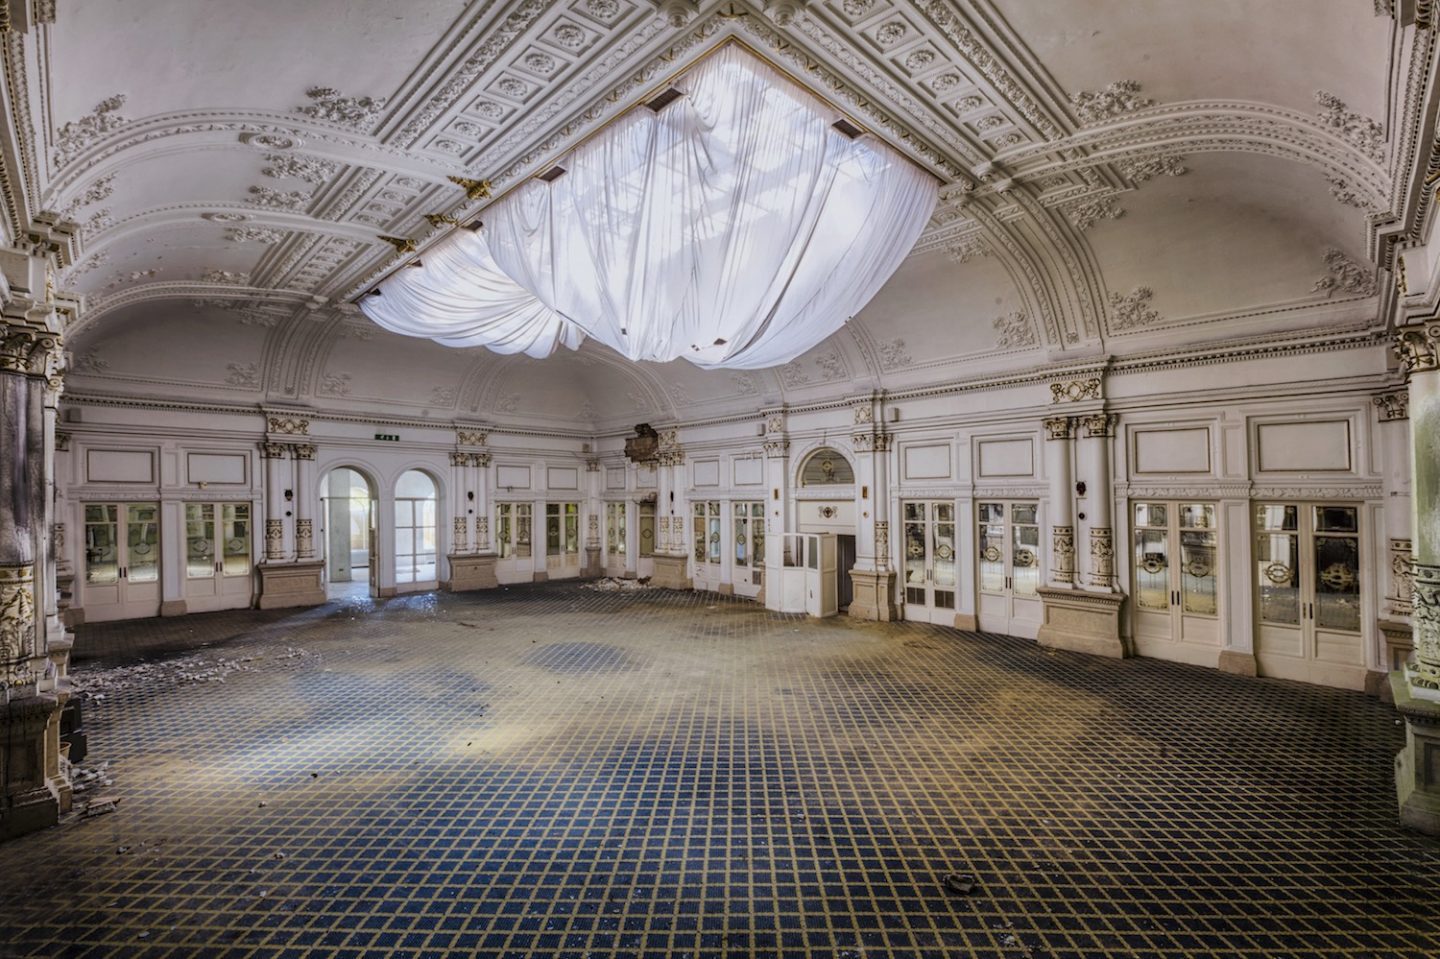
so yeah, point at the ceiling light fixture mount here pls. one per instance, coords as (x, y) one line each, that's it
(441, 219)
(474, 189)
(402, 244)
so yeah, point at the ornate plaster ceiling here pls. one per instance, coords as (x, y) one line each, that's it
(1117, 177)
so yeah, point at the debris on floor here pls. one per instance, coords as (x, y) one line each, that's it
(96, 685)
(964, 885)
(613, 584)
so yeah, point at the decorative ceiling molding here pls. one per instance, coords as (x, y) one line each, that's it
(1344, 275)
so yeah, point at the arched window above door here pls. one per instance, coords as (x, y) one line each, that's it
(826, 467)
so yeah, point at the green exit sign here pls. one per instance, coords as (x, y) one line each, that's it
(388, 437)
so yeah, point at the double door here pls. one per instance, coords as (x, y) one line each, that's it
(1007, 536)
(217, 556)
(122, 561)
(562, 540)
(1176, 609)
(706, 545)
(1307, 575)
(513, 532)
(931, 581)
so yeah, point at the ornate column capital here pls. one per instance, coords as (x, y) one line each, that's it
(1394, 405)
(31, 349)
(274, 451)
(592, 466)
(777, 449)
(1099, 425)
(62, 441)
(1417, 350)
(1059, 427)
(481, 460)
(458, 458)
(304, 451)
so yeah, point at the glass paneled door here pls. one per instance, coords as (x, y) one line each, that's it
(1175, 600)
(217, 556)
(616, 535)
(516, 563)
(706, 545)
(122, 561)
(749, 521)
(1007, 536)
(931, 582)
(1308, 582)
(562, 540)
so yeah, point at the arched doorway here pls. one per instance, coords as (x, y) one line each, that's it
(827, 505)
(416, 532)
(350, 565)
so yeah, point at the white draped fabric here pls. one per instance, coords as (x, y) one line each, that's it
(735, 228)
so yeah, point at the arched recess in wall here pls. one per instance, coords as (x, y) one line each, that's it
(417, 530)
(348, 493)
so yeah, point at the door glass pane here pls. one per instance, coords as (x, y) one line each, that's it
(647, 529)
(1025, 555)
(1336, 519)
(404, 513)
(404, 540)
(572, 528)
(235, 538)
(915, 559)
(1149, 514)
(757, 535)
(552, 529)
(199, 541)
(1277, 517)
(914, 512)
(714, 538)
(142, 539)
(1197, 516)
(1337, 583)
(1023, 512)
(522, 529)
(1152, 569)
(991, 536)
(1197, 572)
(502, 531)
(1277, 575)
(944, 512)
(944, 599)
(742, 535)
(426, 508)
(697, 532)
(102, 565)
(944, 550)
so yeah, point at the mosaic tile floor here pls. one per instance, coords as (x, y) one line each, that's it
(553, 771)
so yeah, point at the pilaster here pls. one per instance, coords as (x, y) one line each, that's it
(873, 595)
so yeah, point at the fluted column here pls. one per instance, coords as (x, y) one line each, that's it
(480, 464)
(306, 495)
(277, 463)
(874, 584)
(1094, 456)
(1059, 442)
(460, 485)
(1416, 688)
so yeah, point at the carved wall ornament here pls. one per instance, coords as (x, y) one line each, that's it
(245, 375)
(1132, 311)
(1102, 556)
(102, 189)
(1087, 213)
(1361, 132)
(893, 355)
(334, 384)
(775, 423)
(458, 458)
(1115, 100)
(225, 277)
(305, 538)
(882, 545)
(270, 199)
(304, 451)
(832, 366)
(1394, 405)
(255, 234)
(745, 384)
(31, 350)
(1344, 275)
(472, 437)
(793, 375)
(274, 451)
(1141, 169)
(1059, 428)
(287, 425)
(72, 138)
(1416, 349)
(1014, 330)
(1402, 577)
(274, 539)
(862, 413)
(17, 622)
(312, 170)
(1074, 391)
(1426, 626)
(1063, 538)
(357, 113)
(90, 362)
(968, 248)
(777, 449)
(225, 217)
(62, 441)
(1341, 190)
(481, 460)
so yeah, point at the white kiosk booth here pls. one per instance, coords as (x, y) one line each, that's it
(803, 581)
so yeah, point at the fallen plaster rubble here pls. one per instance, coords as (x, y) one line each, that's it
(96, 685)
(612, 584)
